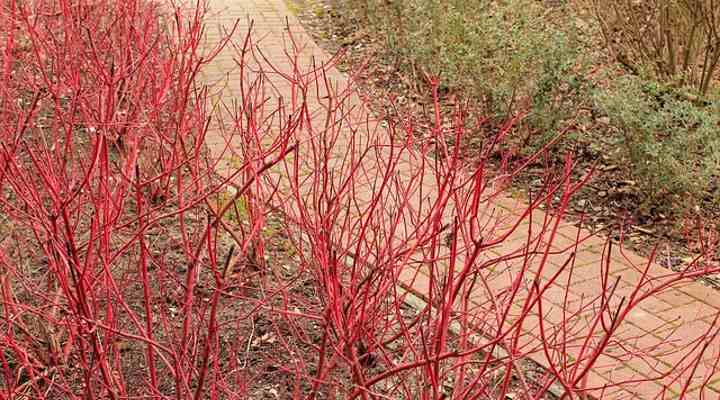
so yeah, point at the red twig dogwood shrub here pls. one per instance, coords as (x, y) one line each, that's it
(381, 211)
(111, 265)
(133, 263)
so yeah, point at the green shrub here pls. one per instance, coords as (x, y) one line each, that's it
(512, 56)
(507, 55)
(672, 143)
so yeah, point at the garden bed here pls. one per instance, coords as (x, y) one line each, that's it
(613, 203)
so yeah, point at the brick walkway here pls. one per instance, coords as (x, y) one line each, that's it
(665, 321)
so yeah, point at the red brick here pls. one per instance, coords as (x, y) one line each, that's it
(588, 289)
(654, 305)
(674, 297)
(641, 341)
(649, 322)
(714, 385)
(702, 293)
(417, 282)
(688, 312)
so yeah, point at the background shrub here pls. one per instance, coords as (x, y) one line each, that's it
(674, 41)
(525, 56)
(671, 142)
(509, 56)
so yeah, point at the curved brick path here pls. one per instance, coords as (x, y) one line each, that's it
(682, 312)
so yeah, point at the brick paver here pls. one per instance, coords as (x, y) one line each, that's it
(662, 323)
